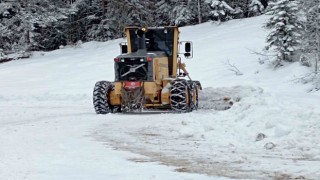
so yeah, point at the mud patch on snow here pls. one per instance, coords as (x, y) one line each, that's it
(180, 162)
(140, 160)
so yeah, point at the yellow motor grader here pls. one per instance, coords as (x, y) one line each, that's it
(149, 74)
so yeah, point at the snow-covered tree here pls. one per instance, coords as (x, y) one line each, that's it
(311, 35)
(181, 13)
(2, 55)
(26, 26)
(150, 12)
(285, 25)
(241, 7)
(118, 16)
(195, 10)
(101, 31)
(265, 3)
(220, 10)
(164, 8)
(255, 8)
(47, 24)
(138, 13)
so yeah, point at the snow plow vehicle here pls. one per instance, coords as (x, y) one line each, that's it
(149, 74)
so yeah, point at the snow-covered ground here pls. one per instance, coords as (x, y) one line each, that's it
(48, 128)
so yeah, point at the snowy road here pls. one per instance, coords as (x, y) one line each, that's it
(58, 142)
(66, 140)
(49, 131)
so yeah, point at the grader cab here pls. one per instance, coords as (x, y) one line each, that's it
(149, 74)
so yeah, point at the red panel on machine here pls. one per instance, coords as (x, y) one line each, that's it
(131, 85)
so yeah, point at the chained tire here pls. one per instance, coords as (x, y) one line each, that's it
(100, 97)
(179, 96)
(193, 95)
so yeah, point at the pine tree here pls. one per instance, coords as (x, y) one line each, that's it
(46, 24)
(312, 30)
(285, 27)
(138, 13)
(255, 8)
(241, 8)
(194, 7)
(181, 13)
(164, 8)
(149, 12)
(29, 26)
(206, 11)
(220, 10)
(2, 55)
(118, 16)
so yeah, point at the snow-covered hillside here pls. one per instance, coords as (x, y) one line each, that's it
(48, 128)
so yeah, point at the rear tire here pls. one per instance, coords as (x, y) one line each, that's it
(193, 95)
(100, 97)
(179, 96)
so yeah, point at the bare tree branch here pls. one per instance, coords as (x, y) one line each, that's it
(234, 69)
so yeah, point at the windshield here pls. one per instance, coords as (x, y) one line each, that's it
(156, 40)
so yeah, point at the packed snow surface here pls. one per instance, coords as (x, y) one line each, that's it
(49, 130)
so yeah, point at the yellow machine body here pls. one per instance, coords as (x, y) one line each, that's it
(152, 89)
(152, 70)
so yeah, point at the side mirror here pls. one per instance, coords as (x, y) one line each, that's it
(188, 47)
(188, 52)
(124, 48)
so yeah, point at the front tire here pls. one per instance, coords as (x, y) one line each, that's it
(100, 97)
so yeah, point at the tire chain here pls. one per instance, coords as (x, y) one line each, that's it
(178, 96)
(193, 88)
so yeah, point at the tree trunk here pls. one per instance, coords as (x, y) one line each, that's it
(318, 51)
(317, 44)
(104, 6)
(199, 12)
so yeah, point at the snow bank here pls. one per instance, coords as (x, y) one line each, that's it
(259, 134)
